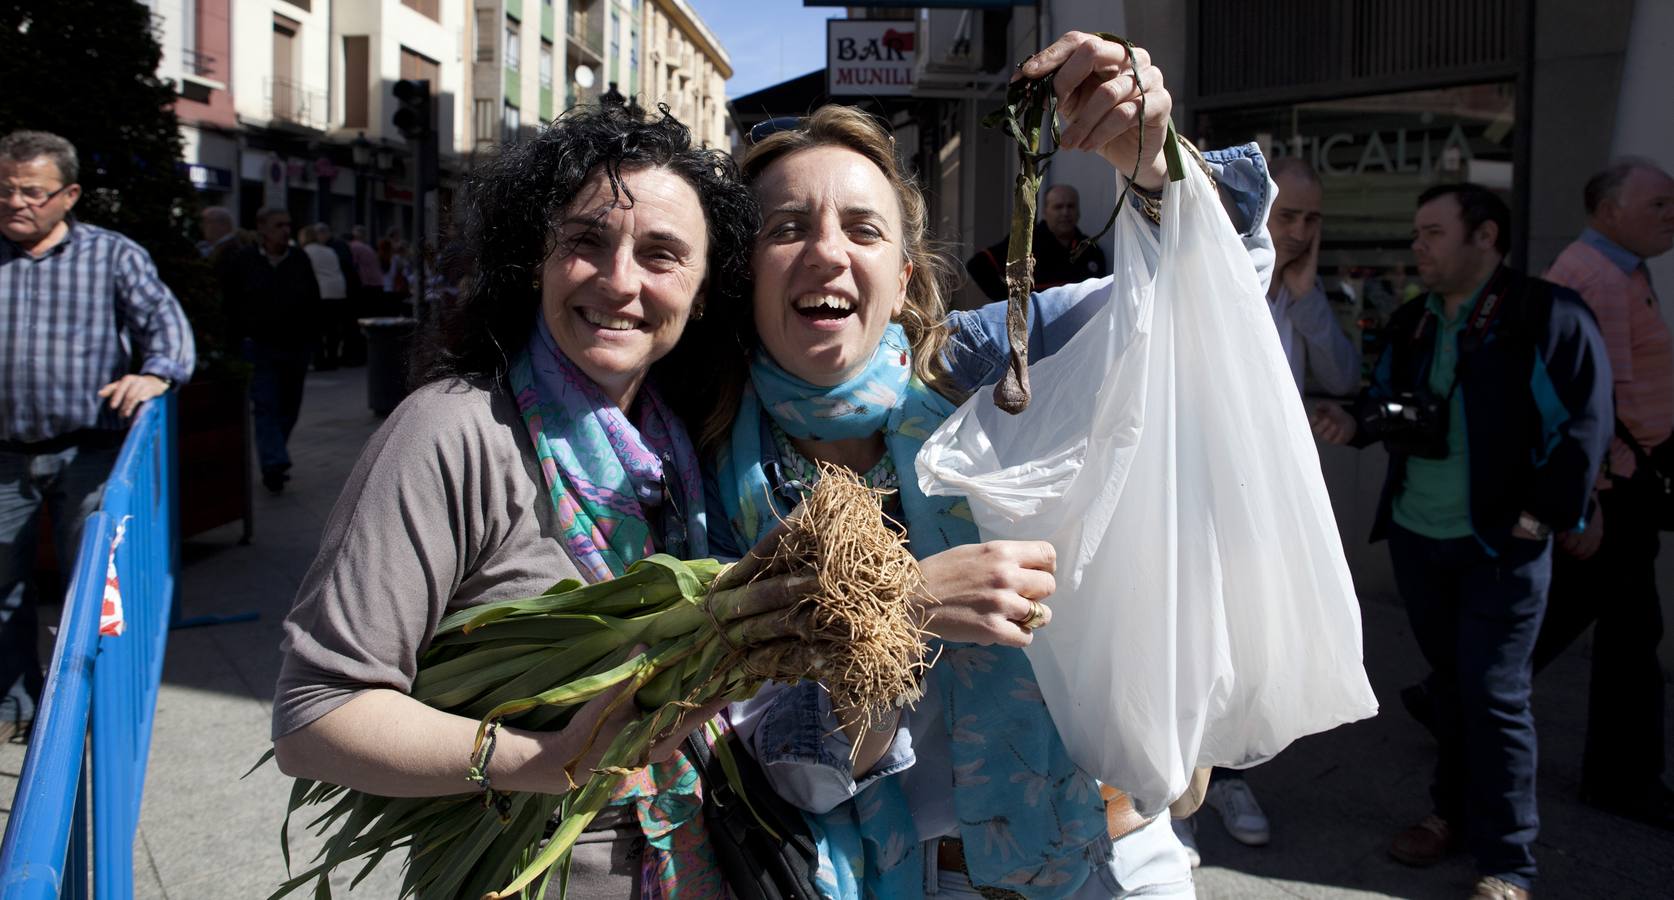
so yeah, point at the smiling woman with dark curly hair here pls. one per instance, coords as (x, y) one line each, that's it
(539, 449)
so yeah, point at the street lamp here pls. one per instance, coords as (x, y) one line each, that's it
(362, 149)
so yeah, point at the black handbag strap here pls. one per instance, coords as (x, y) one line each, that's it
(756, 865)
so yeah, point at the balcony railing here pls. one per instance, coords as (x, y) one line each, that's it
(290, 101)
(587, 33)
(198, 63)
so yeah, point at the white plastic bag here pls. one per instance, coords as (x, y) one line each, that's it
(1204, 612)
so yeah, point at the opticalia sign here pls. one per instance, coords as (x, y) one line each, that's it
(869, 57)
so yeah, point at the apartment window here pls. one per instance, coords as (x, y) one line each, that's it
(357, 81)
(301, 4)
(633, 51)
(482, 114)
(419, 67)
(616, 41)
(514, 55)
(284, 88)
(546, 63)
(512, 123)
(189, 26)
(428, 8)
(485, 35)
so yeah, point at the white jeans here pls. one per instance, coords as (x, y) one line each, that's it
(1150, 863)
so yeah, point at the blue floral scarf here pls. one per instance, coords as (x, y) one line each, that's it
(1031, 821)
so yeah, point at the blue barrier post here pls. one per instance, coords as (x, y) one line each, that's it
(103, 688)
(130, 667)
(44, 818)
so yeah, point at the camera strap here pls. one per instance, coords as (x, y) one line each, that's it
(1490, 302)
(1488, 306)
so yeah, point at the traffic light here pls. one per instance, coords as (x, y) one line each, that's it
(413, 115)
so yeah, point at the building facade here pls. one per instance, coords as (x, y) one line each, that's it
(519, 57)
(196, 41)
(291, 102)
(684, 66)
(534, 59)
(374, 45)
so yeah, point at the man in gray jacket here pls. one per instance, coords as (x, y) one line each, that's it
(1313, 342)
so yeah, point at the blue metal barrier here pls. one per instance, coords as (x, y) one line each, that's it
(101, 691)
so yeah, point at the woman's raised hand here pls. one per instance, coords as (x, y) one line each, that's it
(986, 593)
(1098, 102)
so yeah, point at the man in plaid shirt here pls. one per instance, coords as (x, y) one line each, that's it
(87, 334)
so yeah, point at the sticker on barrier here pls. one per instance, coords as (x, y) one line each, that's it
(111, 623)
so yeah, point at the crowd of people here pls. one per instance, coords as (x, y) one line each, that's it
(294, 297)
(633, 366)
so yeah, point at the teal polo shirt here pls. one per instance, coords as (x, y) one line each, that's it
(1435, 498)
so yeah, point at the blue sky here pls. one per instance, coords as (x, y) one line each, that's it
(769, 41)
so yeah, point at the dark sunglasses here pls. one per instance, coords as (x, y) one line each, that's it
(761, 130)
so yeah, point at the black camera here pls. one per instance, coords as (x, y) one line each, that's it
(1410, 423)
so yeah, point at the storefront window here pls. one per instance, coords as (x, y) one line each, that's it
(1375, 155)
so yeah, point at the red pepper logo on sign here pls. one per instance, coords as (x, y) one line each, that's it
(899, 41)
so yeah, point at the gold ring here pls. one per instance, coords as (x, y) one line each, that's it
(1037, 616)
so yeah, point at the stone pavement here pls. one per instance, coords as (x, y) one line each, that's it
(1335, 799)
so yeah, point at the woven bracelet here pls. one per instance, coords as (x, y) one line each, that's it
(478, 774)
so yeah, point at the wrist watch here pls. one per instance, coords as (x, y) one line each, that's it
(1534, 526)
(168, 383)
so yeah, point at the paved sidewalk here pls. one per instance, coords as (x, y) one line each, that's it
(1335, 799)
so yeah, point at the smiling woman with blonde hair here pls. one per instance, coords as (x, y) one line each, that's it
(852, 358)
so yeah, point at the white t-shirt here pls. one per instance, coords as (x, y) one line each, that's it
(328, 271)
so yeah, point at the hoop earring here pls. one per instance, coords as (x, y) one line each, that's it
(918, 318)
(697, 311)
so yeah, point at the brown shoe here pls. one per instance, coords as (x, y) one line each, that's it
(1491, 888)
(1425, 844)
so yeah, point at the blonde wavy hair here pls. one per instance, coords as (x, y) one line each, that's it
(924, 314)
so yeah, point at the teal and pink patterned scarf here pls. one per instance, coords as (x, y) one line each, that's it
(608, 476)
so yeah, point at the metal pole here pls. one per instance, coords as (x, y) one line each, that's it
(418, 228)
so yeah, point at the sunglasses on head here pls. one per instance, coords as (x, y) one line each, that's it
(761, 130)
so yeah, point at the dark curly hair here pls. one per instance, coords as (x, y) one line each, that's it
(513, 203)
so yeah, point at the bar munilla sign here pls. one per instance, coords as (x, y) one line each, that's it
(869, 57)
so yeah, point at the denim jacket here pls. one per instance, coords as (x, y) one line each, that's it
(791, 728)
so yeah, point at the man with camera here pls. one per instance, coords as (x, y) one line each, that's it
(1608, 573)
(1492, 397)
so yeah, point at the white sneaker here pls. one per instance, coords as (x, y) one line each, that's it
(1186, 831)
(1240, 813)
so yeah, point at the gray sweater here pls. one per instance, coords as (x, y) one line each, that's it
(446, 509)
